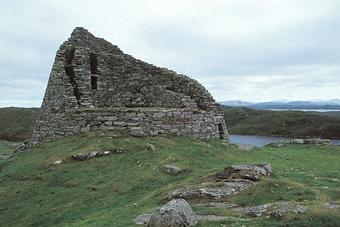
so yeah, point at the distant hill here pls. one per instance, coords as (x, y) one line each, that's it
(333, 104)
(236, 103)
(246, 121)
(16, 124)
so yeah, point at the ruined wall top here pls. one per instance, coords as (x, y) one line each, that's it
(91, 72)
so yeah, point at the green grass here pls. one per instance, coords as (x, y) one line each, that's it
(17, 123)
(112, 190)
(247, 121)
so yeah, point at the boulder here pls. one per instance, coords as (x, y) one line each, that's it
(175, 213)
(246, 171)
(171, 169)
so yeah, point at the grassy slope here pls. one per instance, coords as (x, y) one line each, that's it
(282, 123)
(17, 124)
(112, 190)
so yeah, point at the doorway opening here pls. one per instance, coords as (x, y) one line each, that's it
(221, 131)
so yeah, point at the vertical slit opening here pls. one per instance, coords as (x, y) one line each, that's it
(94, 82)
(93, 63)
(69, 56)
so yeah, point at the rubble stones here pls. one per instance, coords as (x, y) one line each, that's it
(94, 86)
(176, 213)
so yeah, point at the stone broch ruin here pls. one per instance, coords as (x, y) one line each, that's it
(94, 86)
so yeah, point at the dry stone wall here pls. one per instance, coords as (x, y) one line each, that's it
(93, 86)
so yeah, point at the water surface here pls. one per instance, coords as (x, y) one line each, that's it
(260, 141)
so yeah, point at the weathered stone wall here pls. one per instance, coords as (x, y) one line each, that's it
(90, 76)
(137, 122)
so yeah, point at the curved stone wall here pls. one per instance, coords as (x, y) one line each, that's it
(136, 121)
(93, 79)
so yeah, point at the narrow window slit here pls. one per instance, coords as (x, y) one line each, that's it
(94, 82)
(93, 63)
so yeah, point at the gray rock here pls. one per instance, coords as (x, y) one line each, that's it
(151, 147)
(214, 218)
(217, 191)
(142, 219)
(90, 155)
(278, 144)
(333, 205)
(172, 170)
(245, 147)
(276, 210)
(175, 213)
(246, 171)
(316, 141)
(58, 162)
(226, 206)
(137, 132)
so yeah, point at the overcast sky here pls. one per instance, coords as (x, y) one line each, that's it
(244, 50)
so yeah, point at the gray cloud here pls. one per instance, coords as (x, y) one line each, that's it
(256, 50)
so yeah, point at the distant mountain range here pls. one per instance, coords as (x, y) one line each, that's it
(333, 104)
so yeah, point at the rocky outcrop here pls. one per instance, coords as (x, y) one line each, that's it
(94, 86)
(176, 213)
(230, 181)
(214, 191)
(276, 210)
(246, 171)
